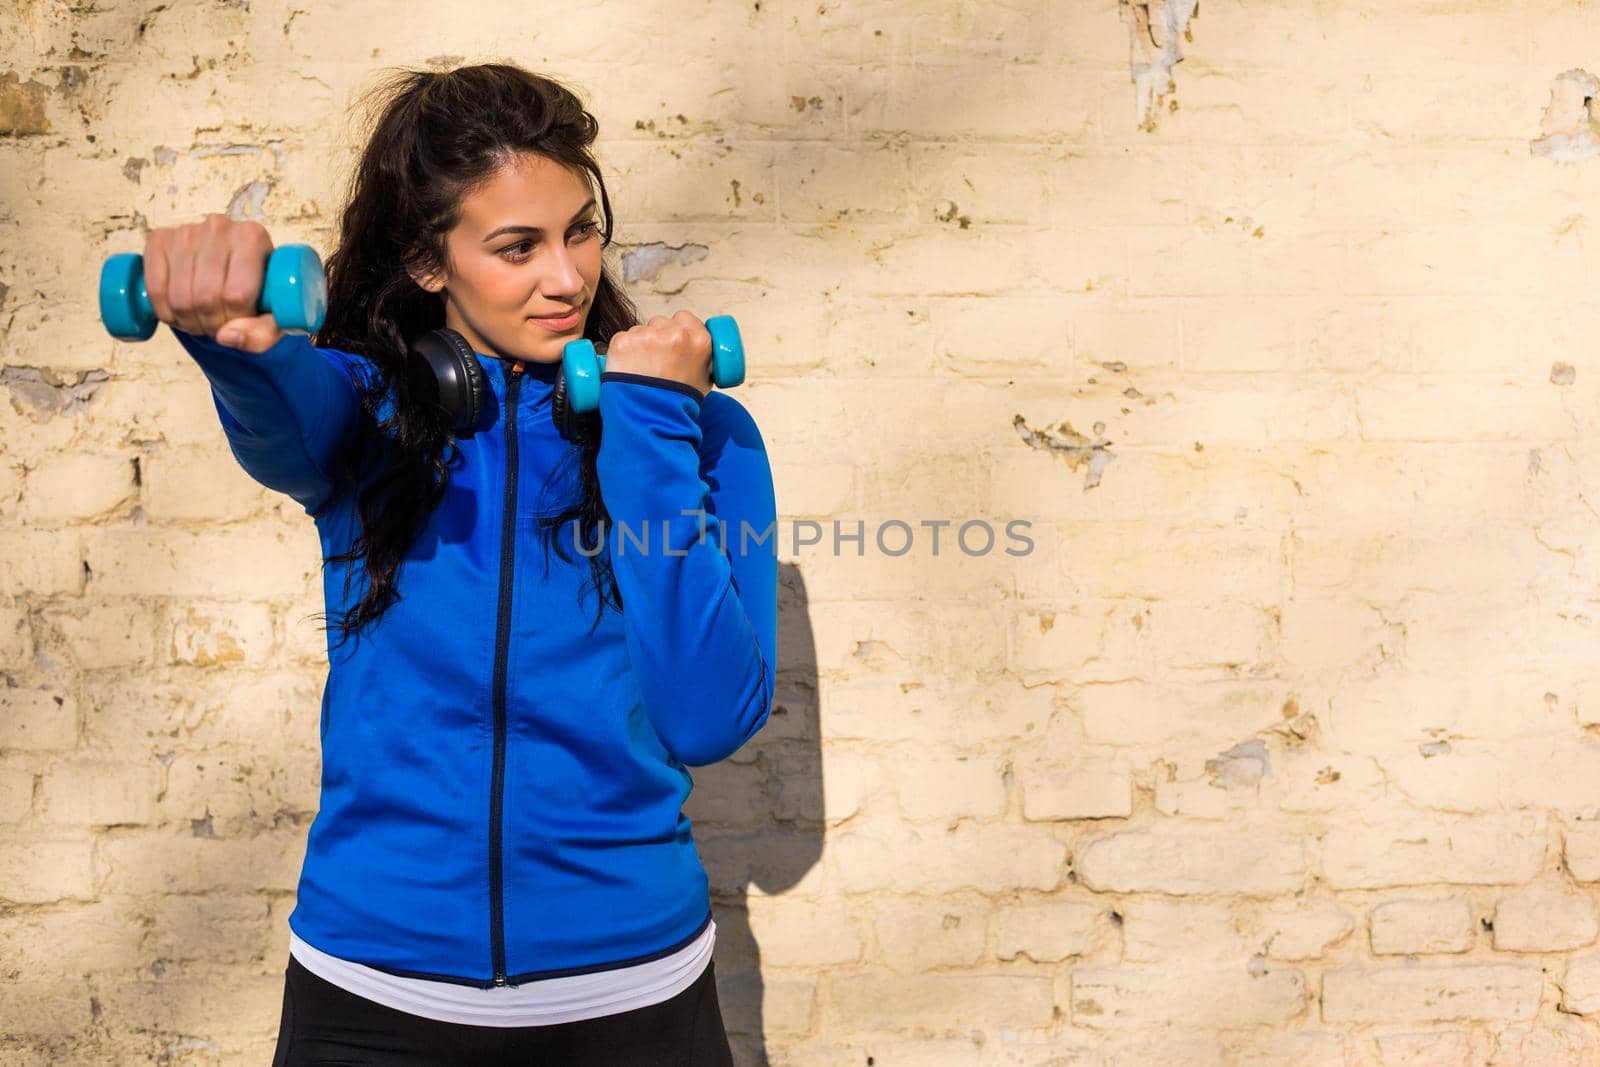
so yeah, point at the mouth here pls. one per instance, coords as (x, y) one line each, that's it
(559, 323)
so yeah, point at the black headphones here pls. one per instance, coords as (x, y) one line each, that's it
(457, 383)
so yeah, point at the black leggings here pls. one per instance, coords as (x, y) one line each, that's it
(326, 1024)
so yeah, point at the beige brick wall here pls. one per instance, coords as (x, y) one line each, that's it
(1278, 748)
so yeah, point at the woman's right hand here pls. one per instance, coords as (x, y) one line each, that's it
(205, 278)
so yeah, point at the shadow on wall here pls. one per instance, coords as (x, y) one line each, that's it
(758, 821)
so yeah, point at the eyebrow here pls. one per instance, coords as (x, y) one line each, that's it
(534, 230)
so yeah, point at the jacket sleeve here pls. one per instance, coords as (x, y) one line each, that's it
(700, 604)
(287, 412)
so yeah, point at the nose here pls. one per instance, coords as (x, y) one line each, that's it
(564, 278)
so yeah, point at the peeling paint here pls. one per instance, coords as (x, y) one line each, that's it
(22, 106)
(1563, 373)
(644, 262)
(40, 393)
(1151, 60)
(246, 202)
(131, 169)
(164, 156)
(1568, 130)
(70, 78)
(275, 147)
(1243, 765)
(1077, 449)
(947, 211)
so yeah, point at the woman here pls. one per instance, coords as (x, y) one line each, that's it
(500, 869)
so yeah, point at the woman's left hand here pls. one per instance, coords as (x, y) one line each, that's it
(678, 348)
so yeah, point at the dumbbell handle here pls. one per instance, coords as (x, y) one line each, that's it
(582, 366)
(294, 291)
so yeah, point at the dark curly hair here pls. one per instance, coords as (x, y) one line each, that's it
(437, 137)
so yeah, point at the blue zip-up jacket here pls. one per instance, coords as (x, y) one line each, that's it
(502, 789)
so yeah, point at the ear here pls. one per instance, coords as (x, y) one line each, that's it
(431, 282)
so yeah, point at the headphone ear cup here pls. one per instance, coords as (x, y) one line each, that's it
(560, 410)
(572, 426)
(455, 378)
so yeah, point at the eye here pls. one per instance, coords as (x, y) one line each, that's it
(518, 252)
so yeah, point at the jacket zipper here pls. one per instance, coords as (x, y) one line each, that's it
(502, 640)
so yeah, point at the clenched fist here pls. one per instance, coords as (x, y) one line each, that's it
(205, 278)
(678, 348)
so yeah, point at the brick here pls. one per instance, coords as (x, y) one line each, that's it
(1201, 799)
(202, 633)
(40, 867)
(1053, 789)
(71, 939)
(199, 483)
(1543, 919)
(215, 927)
(16, 638)
(1225, 931)
(1135, 1049)
(787, 1005)
(37, 719)
(16, 794)
(988, 858)
(1214, 715)
(1421, 849)
(938, 786)
(1320, 781)
(1051, 931)
(825, 788)
(916, 935)
(1430, 1048)
(1107, 998)
(811, 181)
(960, 713)
(1581, 849)
(1192, 861)
(100, 792)
(872, 1001)
(1580, 986)
(41, 562)
(887, 640)
(1313, 1049)
(48, 1008)
(1407, 927)
(77, 486)
(1552, 1044)
(1047, 644)
(189, 1004)
(802, 933)
(1459, 992)
(225, 786)
(110, 633)
(732, 793)
(260, 562)
(1219, 637)
(737, 859)
(189, 864)
(200, 709)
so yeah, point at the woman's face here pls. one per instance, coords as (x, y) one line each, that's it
(527, 246)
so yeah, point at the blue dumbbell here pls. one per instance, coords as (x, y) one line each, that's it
(582, 366)
(295, 291)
